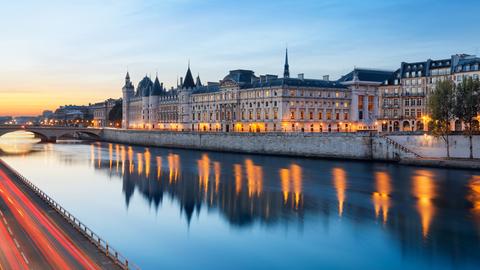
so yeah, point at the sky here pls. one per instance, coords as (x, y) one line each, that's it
(54, 53)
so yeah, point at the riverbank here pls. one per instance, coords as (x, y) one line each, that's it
(469, 164)
(359, 146)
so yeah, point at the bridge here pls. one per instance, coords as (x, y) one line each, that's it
(52, 133)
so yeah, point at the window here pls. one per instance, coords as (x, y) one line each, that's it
(320, 116)
(419, 113)
(292, 115)
(407, 112)
(329, 115)
(275, 115)
(301, 115)
(407, 102)
(311, 115)
(337, 116)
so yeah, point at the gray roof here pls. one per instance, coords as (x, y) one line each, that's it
(156, 90)
(297, 82)
(144, 87)
(367, 75)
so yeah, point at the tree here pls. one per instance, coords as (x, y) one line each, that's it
(441, 105)
(115, 114)
(467, 106)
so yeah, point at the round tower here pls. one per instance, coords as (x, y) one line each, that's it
(128, 92)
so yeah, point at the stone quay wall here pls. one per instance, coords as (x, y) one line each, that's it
(429, 146)
(327, 145)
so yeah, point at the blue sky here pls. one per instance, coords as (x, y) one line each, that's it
(80, 50)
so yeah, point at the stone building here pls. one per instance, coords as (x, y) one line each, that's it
(244, 102)
(404, 96)
(100, 112)
(363, 99)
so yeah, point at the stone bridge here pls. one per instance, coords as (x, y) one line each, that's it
(52, 133)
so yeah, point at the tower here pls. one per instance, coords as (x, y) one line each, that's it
(154, 102)
(286, 68)
(184, 93)
(128, 91)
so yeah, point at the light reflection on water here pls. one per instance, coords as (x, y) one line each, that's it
(180, 209)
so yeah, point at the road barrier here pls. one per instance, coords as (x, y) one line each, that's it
(82, 228)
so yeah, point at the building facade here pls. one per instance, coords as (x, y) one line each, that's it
(244, 102)
(404, 96)
(363, 99)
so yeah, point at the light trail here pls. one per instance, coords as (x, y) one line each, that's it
(52, 241)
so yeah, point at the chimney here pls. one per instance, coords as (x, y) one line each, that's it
(326, 77)
(301, 76)
(181, 81)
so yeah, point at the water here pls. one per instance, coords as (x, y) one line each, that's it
(182, 209)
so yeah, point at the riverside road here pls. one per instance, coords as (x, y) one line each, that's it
(34, 236)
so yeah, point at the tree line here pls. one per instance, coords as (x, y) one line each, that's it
(450, 102)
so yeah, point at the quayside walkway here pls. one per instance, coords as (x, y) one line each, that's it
(37, 233)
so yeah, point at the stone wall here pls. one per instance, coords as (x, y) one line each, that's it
(431, 147)
(328, 145)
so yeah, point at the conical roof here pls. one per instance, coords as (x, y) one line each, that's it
(157, 88)
(188, 82)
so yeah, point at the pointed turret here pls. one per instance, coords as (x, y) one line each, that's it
(286, 68)
(188, 83)
(157, 88)
(198, 82)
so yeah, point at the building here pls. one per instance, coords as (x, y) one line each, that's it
(363, 99)
(100, 112)
(403, 97)
(244, 102)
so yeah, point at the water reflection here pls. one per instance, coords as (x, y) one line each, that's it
(424, 191)
(17, 143)
(381, 197)
(425, 214)
(340, 183)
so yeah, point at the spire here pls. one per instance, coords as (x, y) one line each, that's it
(127, 77)
(286, 68)
(188, 81)
(198, 82)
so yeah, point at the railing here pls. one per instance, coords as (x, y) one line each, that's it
(101, 244)
(401, 147)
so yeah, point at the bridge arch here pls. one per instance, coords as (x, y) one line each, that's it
(51, 134)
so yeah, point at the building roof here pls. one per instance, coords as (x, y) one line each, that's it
(188, 82)
(241, 76)
(366, 75)
(297, 82)
(157, 89)
(144, 87)
(210, 88)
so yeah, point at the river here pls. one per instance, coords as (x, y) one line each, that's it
(186, 209)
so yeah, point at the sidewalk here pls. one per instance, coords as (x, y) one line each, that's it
(457, 163)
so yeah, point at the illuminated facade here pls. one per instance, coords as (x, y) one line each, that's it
(244, 102)
(404, 96)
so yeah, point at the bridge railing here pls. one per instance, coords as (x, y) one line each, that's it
(101, 244)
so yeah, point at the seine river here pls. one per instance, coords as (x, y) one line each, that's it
(181, 209)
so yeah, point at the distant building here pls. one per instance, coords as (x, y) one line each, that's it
(71, 115)
(100, 112)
